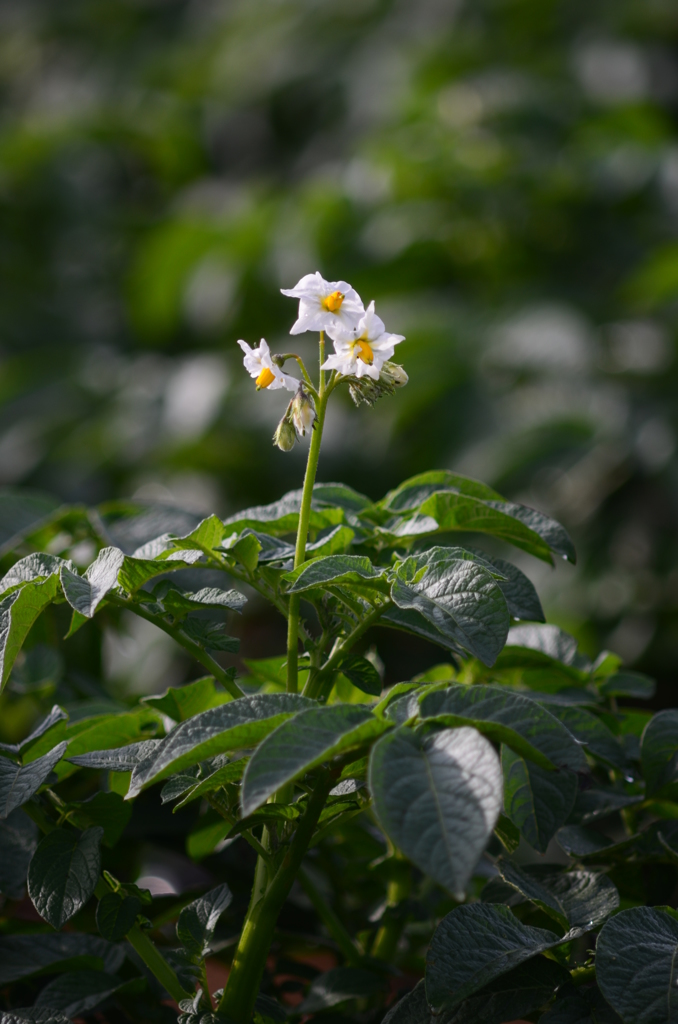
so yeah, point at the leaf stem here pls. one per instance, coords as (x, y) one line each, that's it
(156, 963)
(205, 659)
(317, 684)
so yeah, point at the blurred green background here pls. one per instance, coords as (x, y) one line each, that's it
(500, 175)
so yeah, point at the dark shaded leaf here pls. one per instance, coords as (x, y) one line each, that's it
(198, 920)
(519, 592)
(108, 810)
(116, 914)
(335, 569)
(598, 740)
(637, 965)
(57, 714)
(231, 772)
(64, 872)
(21, 513)
(210, 635)
(575, 899)
(361, 673)
(18, 842)
(301, 744)
(438, 798)
(281, 517)
(339, 985)
(18, 612)
(18, 783)
(537, 802)
(659, 752)
(412, 622)
(628, 684)
(182, 702)
(119, 759)
(24, 955)
(78, 992)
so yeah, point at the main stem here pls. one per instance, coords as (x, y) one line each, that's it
(302, 531)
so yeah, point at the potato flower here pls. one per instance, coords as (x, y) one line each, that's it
(362, 352)
(259, 364)
(325, 305)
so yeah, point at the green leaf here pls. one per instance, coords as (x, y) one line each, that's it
(32, 569)
(339, 985)
(57, 714)
(592, 732)
(464, 603)
(475, 944)
(85, 593)
(628, 684)
(206, 834)
(507, 717)
(231, 772)
(659, 752)
(108, 810)
(116, 914)
(210, 635)
(98, 733)
(601, 801)
(18, 612)
(507, 834)
(301, 744)
(361, 673)
(580, 1006)
(21, 513)
(282, 516)
(438, 797)
(412, 622)
(119, 759)
(183, 702)
(136, 571)
(637, 965)
(542, 645)
(240, 723)
(64, 872)
(575, 899)
(198, 920)
(411, 494)
(18, 783)
(207, 534)
(18, 842)
(519, 592)
(335, 569)
(24, 955)
(180, 602)
(247, 550)
(78, 992)
(537, 802)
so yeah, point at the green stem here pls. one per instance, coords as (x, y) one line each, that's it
(156, 963)
(249, 961)
(330, 919)
(205, 659)
(302, 531)
(317, 686)
(398, 889)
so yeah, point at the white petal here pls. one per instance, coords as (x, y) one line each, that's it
(310, 285)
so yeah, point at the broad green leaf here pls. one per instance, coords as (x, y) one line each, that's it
(519, 592)
(628, 684)
(18, 783)
(247, 550)
(106, 809)
(137, 571)
(637, 965)
(198, 920)
(592, 732)
(340, 985)
(411, 621)
(24, 955)
(31, 569)
(182, 702)
(361, 673)
(335, 569)
(85, 593)
(18, 612)
(64, 872)
(180, 601)
(98, 733)
(210, 635)
(598, 802)
(580, 1006)
(658, 842)
(116, 914)
(337, 495)
(282, 517)
(543, 645)
(412, 493)
(575, 899)
(57, 714)
(510, 997)
(231, 772)
(507, 717)
(120, 759)
(205, 835)
(22, 513)
(301, 744)
(18, 841)
(537, 802)
(507, 834)
(264, 815)
(463, 602)
(78, 992)
(207, 534)
(181, 783)
(438, 797)
(475, 944)
(659, 753)
(240, 723)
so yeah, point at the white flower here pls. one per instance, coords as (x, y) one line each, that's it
(325, 305)
(259, 364)
(363, 351)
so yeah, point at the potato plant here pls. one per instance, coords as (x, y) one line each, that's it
(503, 826)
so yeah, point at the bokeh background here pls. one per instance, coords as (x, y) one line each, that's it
(500, 175)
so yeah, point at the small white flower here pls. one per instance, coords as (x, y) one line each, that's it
(259, 365)
(363, 351)
(325, 305)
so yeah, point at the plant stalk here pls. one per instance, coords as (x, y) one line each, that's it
(330, 919)
(249, 961)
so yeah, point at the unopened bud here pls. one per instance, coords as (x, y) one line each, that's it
(285, 436)
(303, 411)
(393, 373)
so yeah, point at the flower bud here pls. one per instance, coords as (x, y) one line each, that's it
(285, 436)
(393, 373)
(303, 411)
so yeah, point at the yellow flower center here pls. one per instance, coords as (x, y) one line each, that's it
(332, 303)
(364, 351)
(265, 378)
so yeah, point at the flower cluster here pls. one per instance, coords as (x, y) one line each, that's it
(362, 352)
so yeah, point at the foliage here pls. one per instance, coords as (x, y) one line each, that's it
(501, 812)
